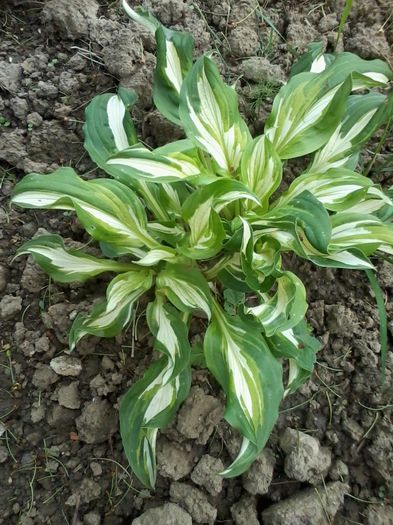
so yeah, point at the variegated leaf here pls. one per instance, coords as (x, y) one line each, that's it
(107, 319)
(261, 170)
(239, 358)
(185, 287)
(285, 309)
(210, 116)
(150, 404)
(364, 115)
(200, 211)
(142, 163)
(300, 348)
(109, 211)
(365, 233)
(302, 225)
(66, 264)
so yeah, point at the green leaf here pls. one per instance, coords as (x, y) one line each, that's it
(185, 287)
(174, 60)
(365, 233)
(240, 360)
(200, 211)
(261, 170)
(337, 189)
(305, 113)
(142, 163)
(313, 60)
(107, 319)
(210, 116)
(109, 211)
(141, 16)
(285, 309)
(150, 404)
(66, 264)
(300, 348)
(348, 259)
(302, 225)
(364, 115)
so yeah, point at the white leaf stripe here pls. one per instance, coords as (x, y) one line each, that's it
(173, 66)
(116, 111)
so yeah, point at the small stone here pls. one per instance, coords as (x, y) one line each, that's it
(259, 476)
(173, 460)
(10, 306)
(307, 506)
(244, 512)
(44, 377)
(97, 422)
(194, 501)
(37, 414)
(92, 518)
(199, 415)
(19, 107)
(96, 468)
(10, 76)
(206, 474)
(168, 514)
(65, 365)
(259, 69)
(88, 491)
(3, 454)
(244, 42)
(305, 459)
(34, 120)
(68, 396)
(74, 19)
(33, 278)
(339, 471)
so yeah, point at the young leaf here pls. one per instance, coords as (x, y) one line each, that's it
(239, 358)
(261, 170)
(107, 319)
(185, 287)
(65, 264)
(285, 309)
(210, 115)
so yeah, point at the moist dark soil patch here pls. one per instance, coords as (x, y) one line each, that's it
(60, 451)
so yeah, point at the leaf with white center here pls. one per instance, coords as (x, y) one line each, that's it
(174, 60)
(285, 309)
(153, 257)
(150, 404)
(66, 264)
(142, 163)
(210, 116)
(364, 115)
(185, 287)
(337, 188)
(348, 259)
(313, 60)
(170, 331)
(109, 210)
(297, 345)
(365, 233)
(302, 225)
(239, 358)
(305, 113)
(107, 319)
(108, 129)
(261, 170)
(200, 211)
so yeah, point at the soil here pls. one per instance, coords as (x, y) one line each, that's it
(330, 457)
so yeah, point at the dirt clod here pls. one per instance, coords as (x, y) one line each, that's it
(97, 422)
(65, 365)
(259, 476)
(168, 514)
(206, 474)
(194, 501)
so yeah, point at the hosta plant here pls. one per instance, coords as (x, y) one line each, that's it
(204, 218)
